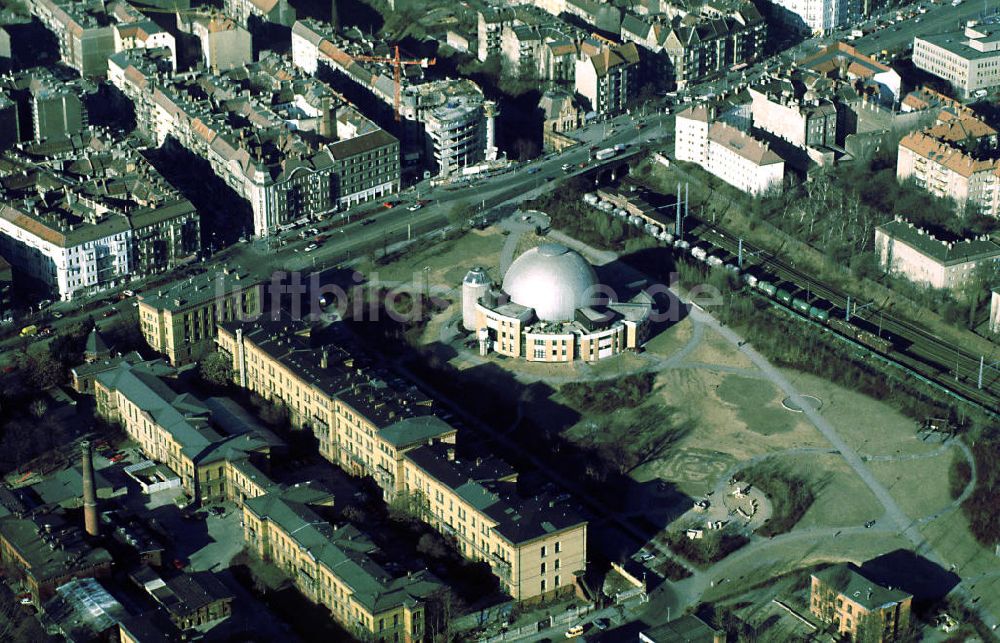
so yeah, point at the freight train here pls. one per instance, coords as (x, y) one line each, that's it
(789, 295)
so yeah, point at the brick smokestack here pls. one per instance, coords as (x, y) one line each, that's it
(89, 492)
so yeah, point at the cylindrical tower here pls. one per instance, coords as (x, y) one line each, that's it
(491, 110)
(474, 286)
(89, 491)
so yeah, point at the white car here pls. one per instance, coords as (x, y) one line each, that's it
(311, 247)
(575, 631)
(414, 207)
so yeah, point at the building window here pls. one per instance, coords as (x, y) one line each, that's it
(543, 586)
(542, 571)
(558, 546)
(543, 552)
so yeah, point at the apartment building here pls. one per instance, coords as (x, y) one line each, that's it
(824, 16)
(535, 44)
(729, 153)
(179, 320)
(145, 34)
(225, 44)
(245, 12)
(914, 253)
(958, 158)
(804, 119)
(274, 141)
(444, 125)
(968, 59)
(533, 545)
(372, 424)
(841, 61)
(84, 32)
(608, 77)
(687, 46)
(212, 448)
(363, 418)
(56, 111)
(333, 566)
(490, 22)
(65, 256)
(856, 605)
(744, 162)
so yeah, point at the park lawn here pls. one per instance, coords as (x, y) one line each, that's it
(920, 487)
(869, 426)
(672, 339)
(841, 498)
(716, 349)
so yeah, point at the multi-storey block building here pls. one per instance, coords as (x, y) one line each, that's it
(914, 253)
(225, 44)
(804, 119)
(968, 59)
(686, 47)
(823, 16)
(179, 320)
(214, 450)
(957, 158)
(729, 153)
(372, 424)
(535, 44)
(858, 606)
(843, 62)
(96, 223)
(608, 78)
(269, 133)
(356, 416)
(277, 12)
(445, 125)
(332, 566)
(84, 32)
(744, 162)
(534, 546)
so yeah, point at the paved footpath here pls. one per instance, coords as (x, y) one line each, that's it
(906, 526)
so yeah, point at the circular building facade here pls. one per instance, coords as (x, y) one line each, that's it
(550, 308)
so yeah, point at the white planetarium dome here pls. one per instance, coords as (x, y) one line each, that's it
(553, 280)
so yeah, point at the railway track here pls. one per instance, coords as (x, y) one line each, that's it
(948, 366)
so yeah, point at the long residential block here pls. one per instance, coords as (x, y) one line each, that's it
(286, 143)
(372, 424)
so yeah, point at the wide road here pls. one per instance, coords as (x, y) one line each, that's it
(370, 226)
(940, 18)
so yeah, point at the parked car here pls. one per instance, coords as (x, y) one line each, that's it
(368, 222)
(575, 631)
(602, 623)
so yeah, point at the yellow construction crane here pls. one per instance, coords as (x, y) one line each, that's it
(397, 66)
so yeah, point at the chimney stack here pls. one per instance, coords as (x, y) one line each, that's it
(89, 492)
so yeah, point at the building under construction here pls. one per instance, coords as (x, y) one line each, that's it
(443, 125)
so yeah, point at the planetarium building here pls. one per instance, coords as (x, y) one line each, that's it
(551, 308)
